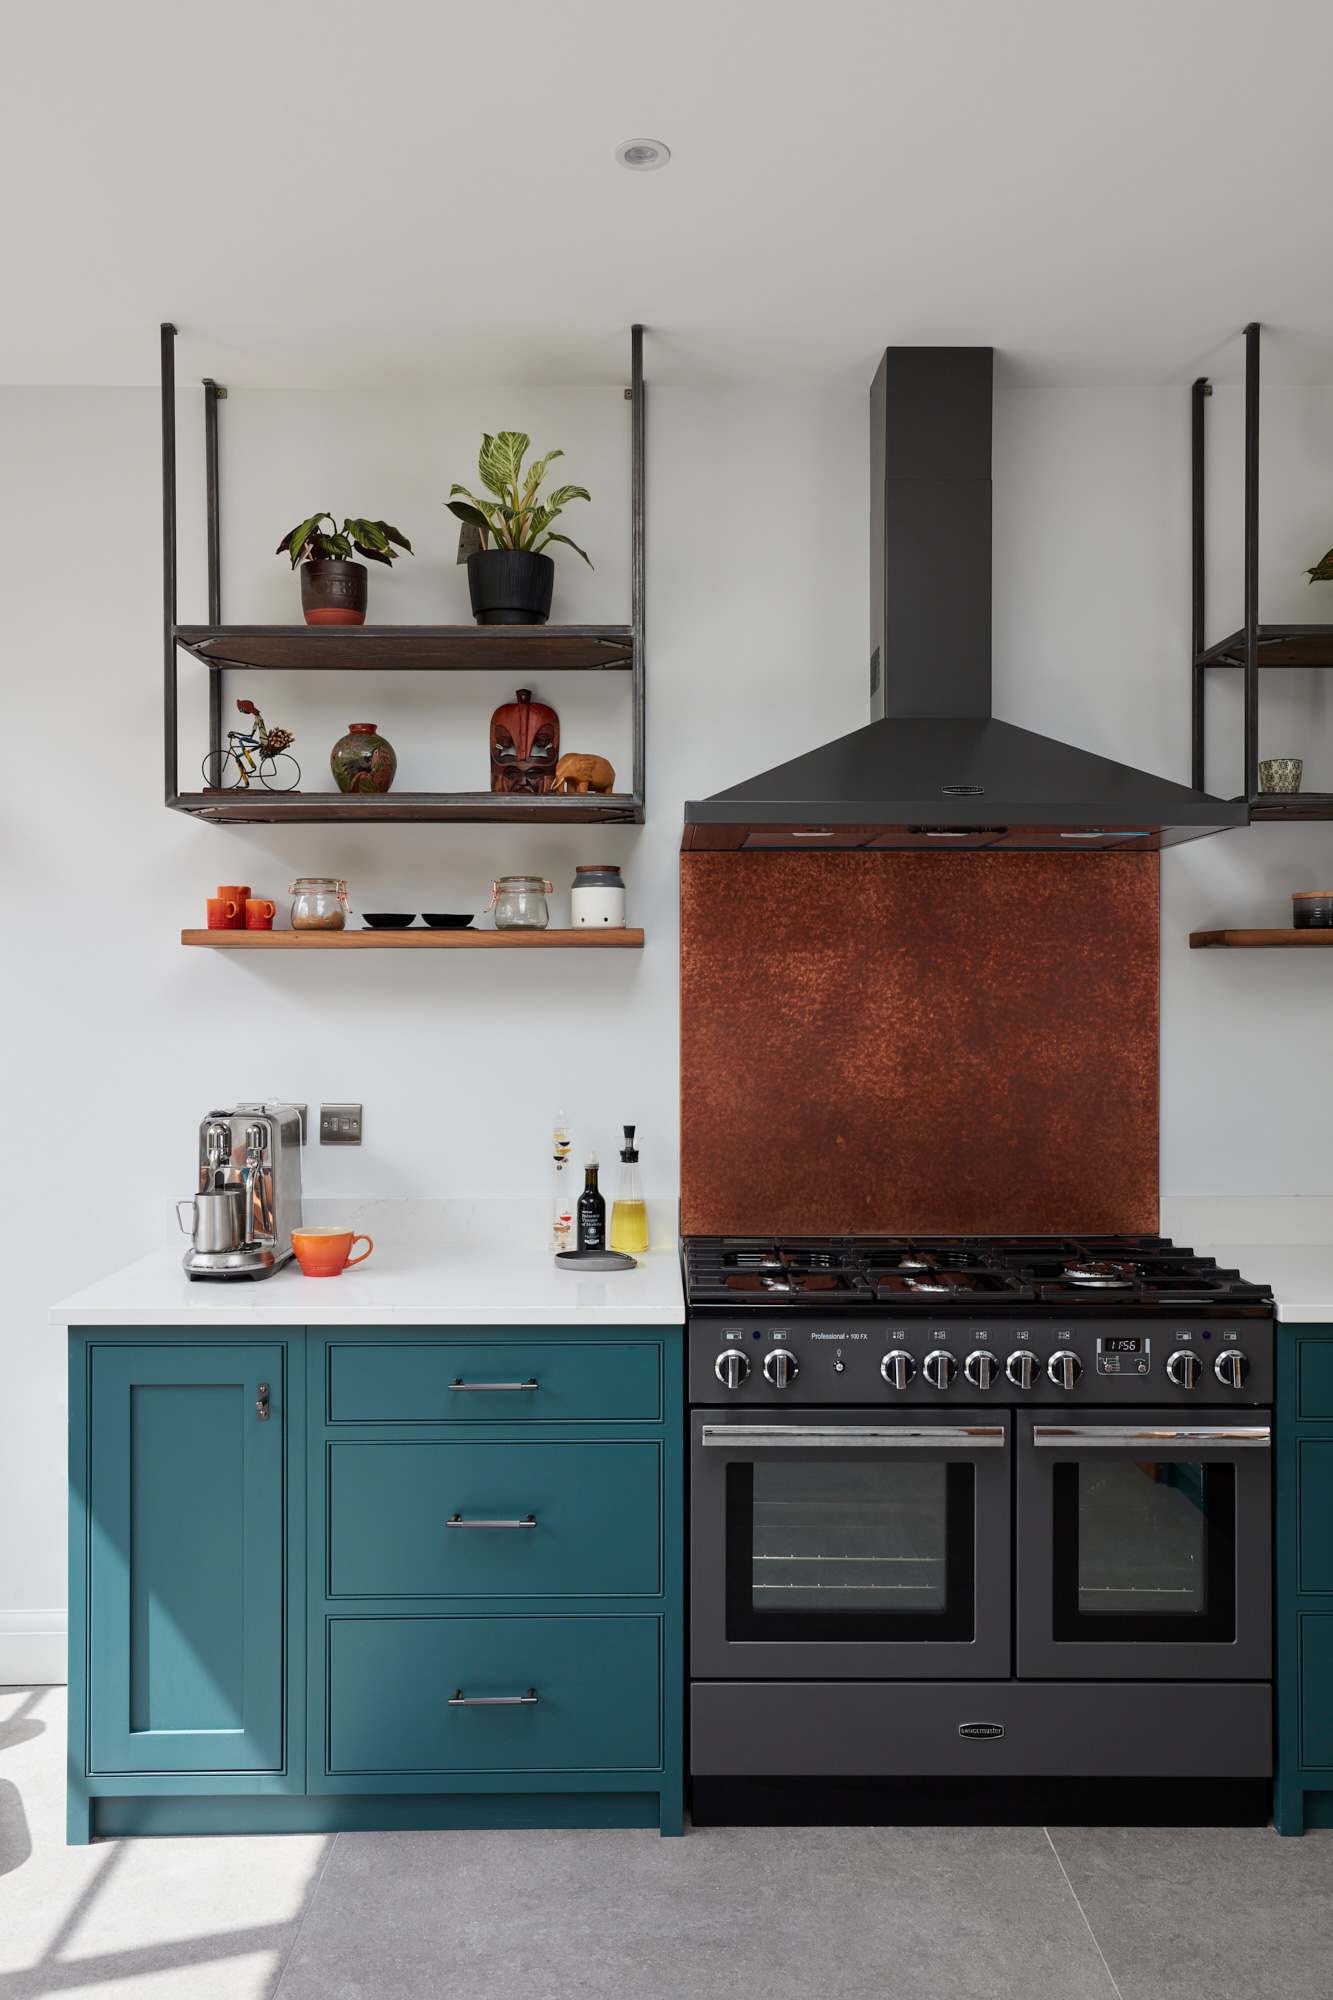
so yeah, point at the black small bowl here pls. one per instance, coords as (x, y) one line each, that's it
(440, 920)
(389, 920)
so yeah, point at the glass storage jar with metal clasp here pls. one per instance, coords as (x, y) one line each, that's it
(519, 902)
(319, 903)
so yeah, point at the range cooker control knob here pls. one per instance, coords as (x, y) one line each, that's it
(1231, 1368)
(1183, 1368)
(981, 1369)
(780, 1367)
(897, 1368)
(939, 1368)
(731, 1368)
(1064, 1368)
(1021, 1368)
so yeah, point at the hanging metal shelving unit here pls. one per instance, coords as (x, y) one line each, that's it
(523, 650)
(1255, 649)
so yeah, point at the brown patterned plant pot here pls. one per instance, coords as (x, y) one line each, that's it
(362, 761)
(333, 593)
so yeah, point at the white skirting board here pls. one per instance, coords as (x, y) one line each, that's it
(32, 1648)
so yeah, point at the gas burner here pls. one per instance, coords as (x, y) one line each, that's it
(1099, 1277)
(916, 1263)
(753, 1260)
(935, 1285)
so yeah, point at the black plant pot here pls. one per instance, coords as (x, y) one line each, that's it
(333, 593)
(510, 586)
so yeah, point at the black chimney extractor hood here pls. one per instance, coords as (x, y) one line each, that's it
(936, 770)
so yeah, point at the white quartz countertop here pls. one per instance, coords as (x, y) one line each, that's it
(402, 1284)
(1300, 1275)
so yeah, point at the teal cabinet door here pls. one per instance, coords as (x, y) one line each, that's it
(410, 1695)
(463, 1518)
(185, 1552)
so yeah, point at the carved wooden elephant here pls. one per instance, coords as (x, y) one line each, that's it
(575, 773)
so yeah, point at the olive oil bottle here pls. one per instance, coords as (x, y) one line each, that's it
(629, 1214)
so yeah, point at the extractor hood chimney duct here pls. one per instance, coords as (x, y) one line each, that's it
(930, 532)
(935, 770)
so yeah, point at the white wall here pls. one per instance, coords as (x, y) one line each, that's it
(118, 1040)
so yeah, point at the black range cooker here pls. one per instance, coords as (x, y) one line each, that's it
(980, 1530)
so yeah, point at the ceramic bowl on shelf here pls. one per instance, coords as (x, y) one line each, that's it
(389, 920)
(443, 920)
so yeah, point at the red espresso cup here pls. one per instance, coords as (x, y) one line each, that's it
(259, 915)
(323, 1253)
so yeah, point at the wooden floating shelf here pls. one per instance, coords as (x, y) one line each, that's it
(1289, 940)
(515, 649)
(1279, 646)
(256, 807)
(418, 940)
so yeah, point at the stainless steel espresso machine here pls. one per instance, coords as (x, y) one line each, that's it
(249, 1199)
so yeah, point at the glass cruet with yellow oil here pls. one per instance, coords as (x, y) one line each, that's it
(629, 1216)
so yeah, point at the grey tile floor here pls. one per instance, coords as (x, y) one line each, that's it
(842, 1913)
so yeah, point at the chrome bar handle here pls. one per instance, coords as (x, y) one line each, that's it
(457, 1521)
(1254, 1437)
(860, 1437)
(460, 1700)
(459, 1383)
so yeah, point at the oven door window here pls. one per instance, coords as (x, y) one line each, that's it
(1144, 1550)
(857, 1548)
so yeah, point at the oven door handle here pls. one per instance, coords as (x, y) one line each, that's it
(1257, 1436)
(864, 1437)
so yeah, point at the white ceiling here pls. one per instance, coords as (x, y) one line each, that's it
(1103, 189)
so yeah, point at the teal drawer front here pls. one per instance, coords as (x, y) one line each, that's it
(390, 1680)
(597, 1509)
(1317, 1690)
(576, 1382)
(1314, 1475)
(1314, 1396)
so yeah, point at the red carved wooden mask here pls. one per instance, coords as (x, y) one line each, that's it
(525, 745)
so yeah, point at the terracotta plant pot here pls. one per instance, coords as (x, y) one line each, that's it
(362, 761)
(510, 586)
(333, 593)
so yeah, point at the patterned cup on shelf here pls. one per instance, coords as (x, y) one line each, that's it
(1280, 774)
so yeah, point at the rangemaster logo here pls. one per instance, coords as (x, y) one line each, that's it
(984, 1729)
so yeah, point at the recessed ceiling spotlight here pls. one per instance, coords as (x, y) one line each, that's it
(642, 155)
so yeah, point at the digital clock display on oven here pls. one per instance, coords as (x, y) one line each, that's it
(1120, 1343)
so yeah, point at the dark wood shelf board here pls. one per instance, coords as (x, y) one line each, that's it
(417, 940)
(1279, 646)
(1292, 805)
(259, 808)
(516, 649)
(1288, 940)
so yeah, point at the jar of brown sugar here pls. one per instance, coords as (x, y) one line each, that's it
(319, 903)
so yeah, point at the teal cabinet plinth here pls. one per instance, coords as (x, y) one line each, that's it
(402, 1598)
(1303, 1791)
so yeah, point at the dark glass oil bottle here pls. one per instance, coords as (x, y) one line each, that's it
(591, 1209)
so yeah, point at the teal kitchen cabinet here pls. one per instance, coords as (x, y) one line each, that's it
(1303, 1792)
(431, 1578)
(181, 1559)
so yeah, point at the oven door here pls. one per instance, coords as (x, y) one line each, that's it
(833, 1543)
(1143, 1547)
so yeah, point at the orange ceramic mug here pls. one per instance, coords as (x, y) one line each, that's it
(237, 893)
(323, 1253)
(222, 913)
(259, 916)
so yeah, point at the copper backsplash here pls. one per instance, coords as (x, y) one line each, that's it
(905, 1042)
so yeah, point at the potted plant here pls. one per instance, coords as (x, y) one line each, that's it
(511, 583)
(333, 586)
